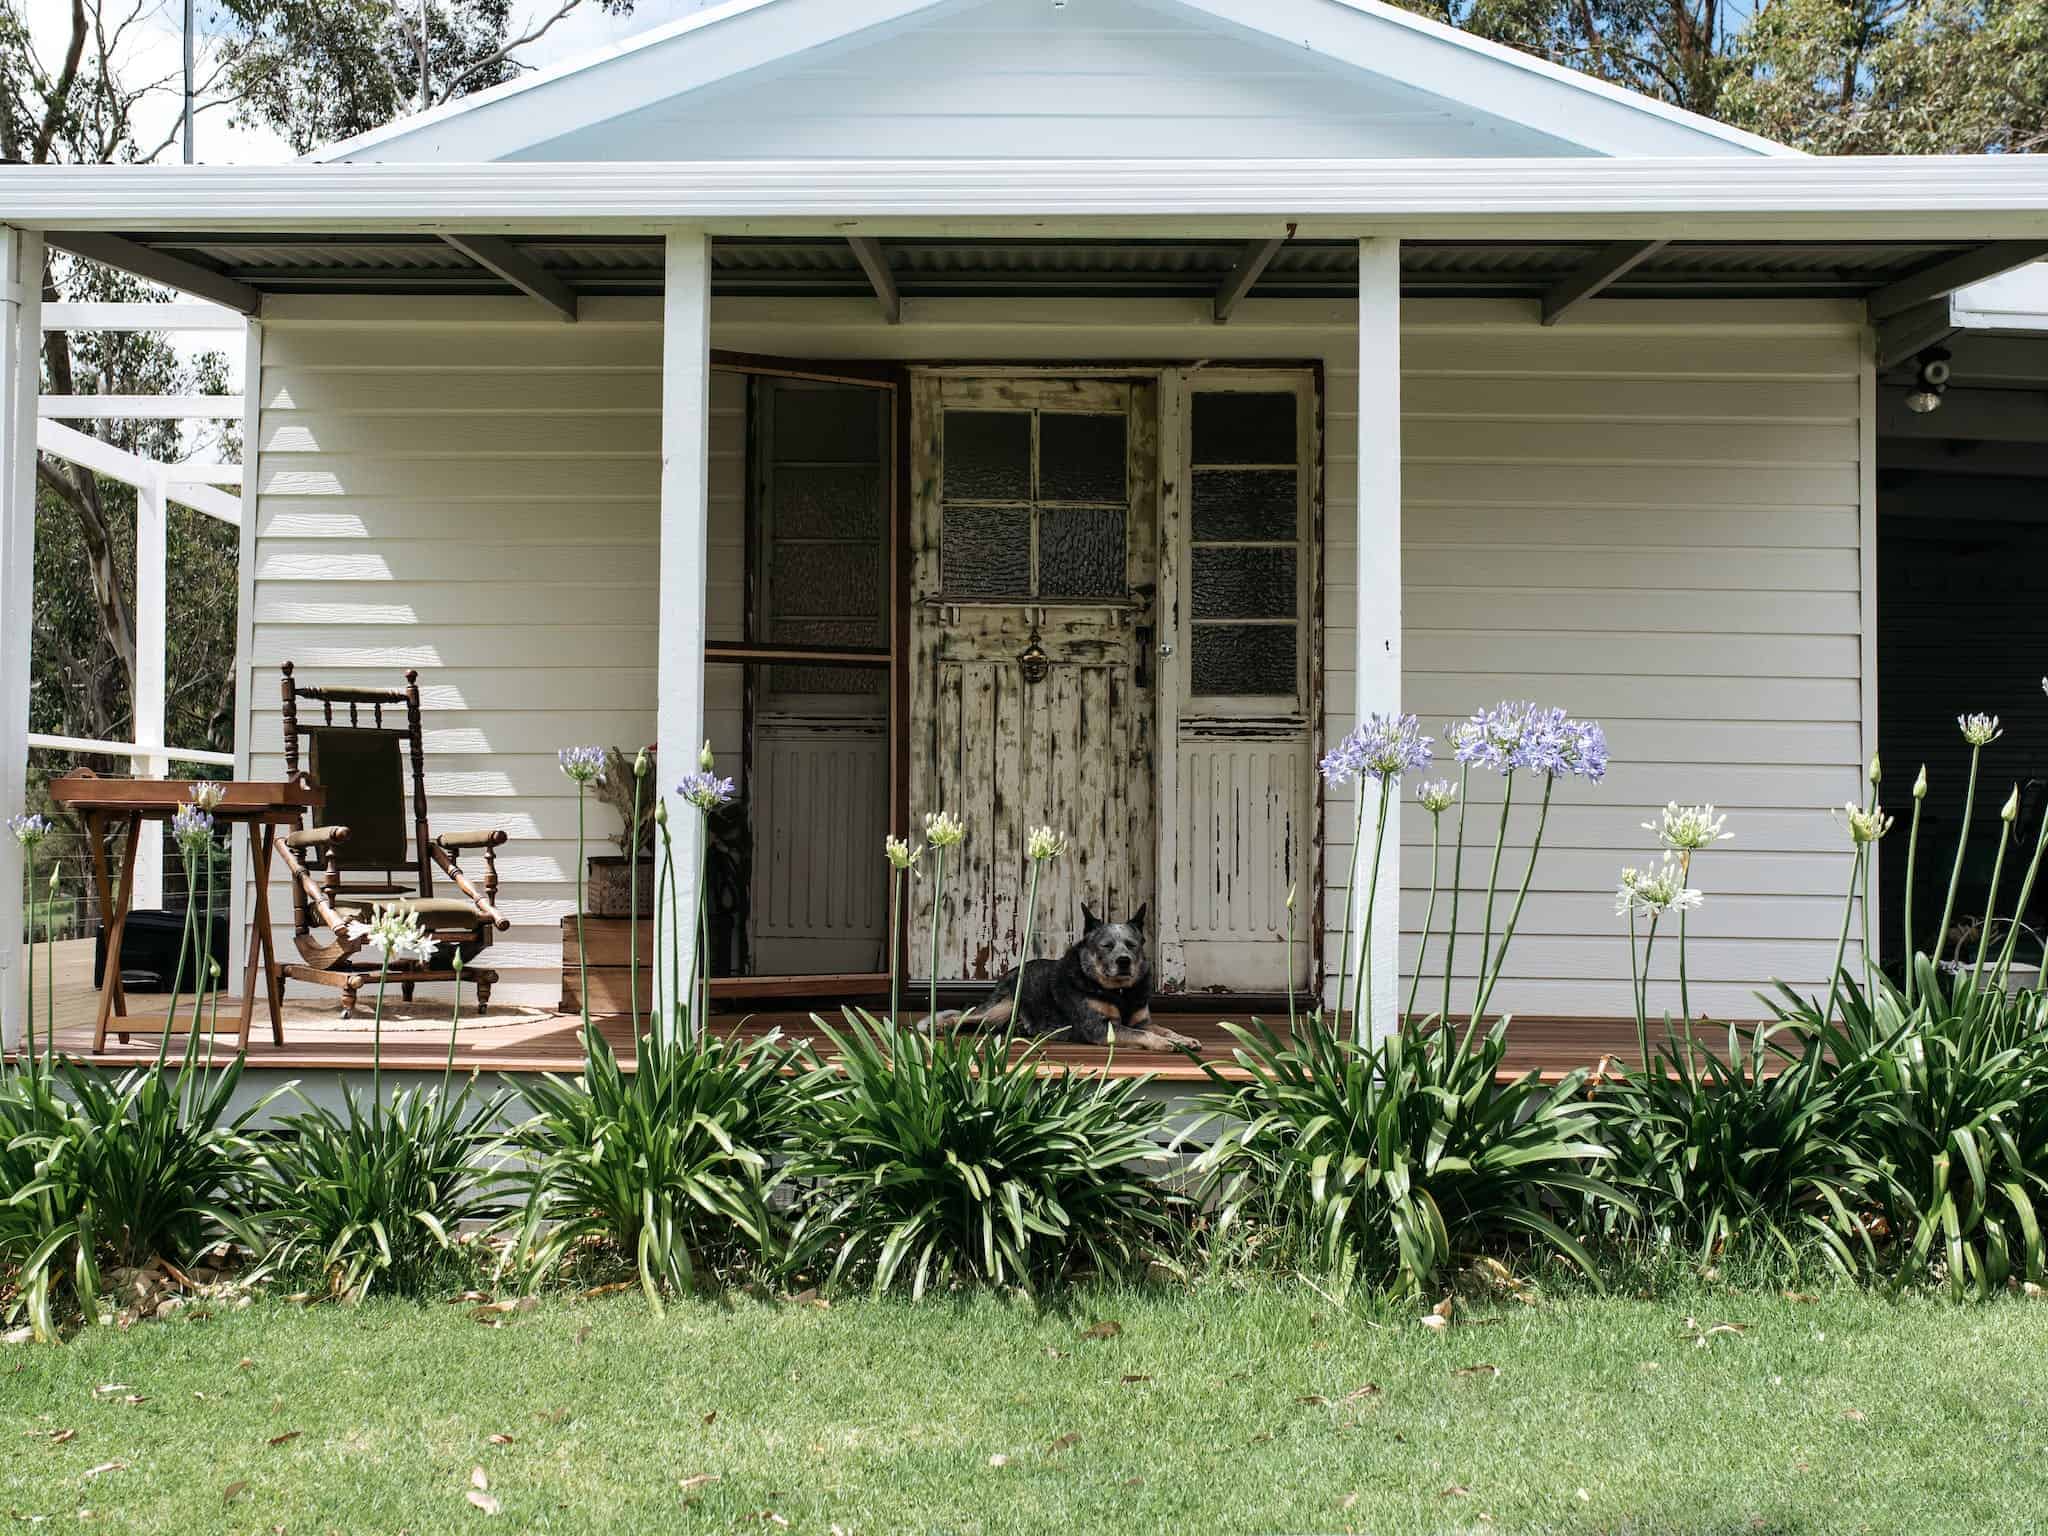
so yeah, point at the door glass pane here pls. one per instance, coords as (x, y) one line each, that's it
(988, 455)
(830, 423)
(1245, 504)
(1081, 553)
(1080, 458)
(831, 501)
(1235, 583)
(1244, 428)
(1243, 659)
(985, 552)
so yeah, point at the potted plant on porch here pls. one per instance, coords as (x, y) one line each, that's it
(607, 883)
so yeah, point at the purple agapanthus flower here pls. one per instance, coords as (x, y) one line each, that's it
(29, 829)
(1517, 734)
(192, 828)
(1382, 747)
(705, 790)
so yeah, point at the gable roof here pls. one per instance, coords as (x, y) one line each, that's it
(726, 82)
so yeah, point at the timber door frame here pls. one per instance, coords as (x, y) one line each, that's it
(895, 381)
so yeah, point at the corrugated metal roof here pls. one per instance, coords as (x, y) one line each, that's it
(938, 268)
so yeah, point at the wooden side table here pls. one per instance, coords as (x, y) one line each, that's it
(262, 807)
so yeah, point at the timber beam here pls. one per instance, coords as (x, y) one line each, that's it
(1610, 264)
(506, 260)
(158, 267)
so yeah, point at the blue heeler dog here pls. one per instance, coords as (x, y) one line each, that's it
(1098, 993)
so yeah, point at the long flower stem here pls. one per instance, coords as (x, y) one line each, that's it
(1990, 902)
(377, 1040)
(632, 908)
(1372, 893)
(1635, 987)
(1842, 943)
(700, 969)
(28, 900)
(2019, 913)
(1024, 955)
(202, 943)
(1500, 837)
(1955, 876)
(1351, 890)
(676, 1011)
(938, 906)
(1912, 861)
(1290, 964)
(582, 949)
(1684, 990)
(895, 945)
(1436, 845)
(1507, 936)
(1649, 951)
(1457, 878)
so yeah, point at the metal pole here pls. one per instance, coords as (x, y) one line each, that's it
(188, 82)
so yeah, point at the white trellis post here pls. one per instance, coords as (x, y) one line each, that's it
(1378, 576)
(21, 334)
(152, 636)
(685, 522)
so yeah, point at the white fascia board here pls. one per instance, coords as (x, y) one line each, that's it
(2012, 301)
(708, 46)
(1960, 197)
(1487, 76)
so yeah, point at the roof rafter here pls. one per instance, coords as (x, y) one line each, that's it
(1246, 271)
(158, 267)
(874, 261)
(1612, 262)
(502, 257)
(1945, 277)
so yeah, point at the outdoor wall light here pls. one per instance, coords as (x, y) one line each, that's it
(1930, 383)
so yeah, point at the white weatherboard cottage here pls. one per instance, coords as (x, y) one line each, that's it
(1073, 411)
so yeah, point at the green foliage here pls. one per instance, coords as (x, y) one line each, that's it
(1957, 1130)
(1761, 1141)
(670, 1162)
(1386, 1162)
(373, 1196)
(944, 1158)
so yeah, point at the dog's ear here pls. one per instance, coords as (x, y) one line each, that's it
(1089, 921)
(1138, 917)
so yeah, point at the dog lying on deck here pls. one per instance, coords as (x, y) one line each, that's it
(1098, 993)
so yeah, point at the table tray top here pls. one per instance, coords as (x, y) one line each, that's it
(241, 797)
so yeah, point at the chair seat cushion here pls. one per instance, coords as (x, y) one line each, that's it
(433, 911)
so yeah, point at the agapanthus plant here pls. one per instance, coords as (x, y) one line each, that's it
(1687, 830)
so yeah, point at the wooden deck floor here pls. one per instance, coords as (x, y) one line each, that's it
(514, 1039)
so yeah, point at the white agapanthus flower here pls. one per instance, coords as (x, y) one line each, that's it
(899, 852)
(1653, 892)
(207, 794)
(942, 829)
(1865, 826)
(396, 934)
(1436, 795)
(1979, 730)
(1688, 828)
(1044, 845)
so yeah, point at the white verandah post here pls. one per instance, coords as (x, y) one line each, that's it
(1378, 577)
(685, 522)
(152, 641)
(21, 362)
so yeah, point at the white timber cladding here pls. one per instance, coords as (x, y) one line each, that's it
(1650, 515)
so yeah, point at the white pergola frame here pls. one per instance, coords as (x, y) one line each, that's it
(33, 418)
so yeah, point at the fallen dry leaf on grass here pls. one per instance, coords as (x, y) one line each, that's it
(17, 1336)
(583, 1334)
(478, 1479)
(769, 1517)
(1130, 1381)
(999, 1460)
(1803, 1297)
(1454, 1491)
(233, 1491)
(290, 1434)
(1484, 1368)
(697, 1480)
(1065, 1442)
(1349, 1500)
(552, 1415)
(1313, 1400)
(1855, 1415)
(1106, 1329)
(106, 1466)
(486, 1502)
(500, 1439)
(59, 1436)
(1370, 1389)
(110, 1388)
(711, 1417)
(245, 1363)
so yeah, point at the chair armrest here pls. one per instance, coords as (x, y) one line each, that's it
(456, 841)
(316, 837)
(316, 893)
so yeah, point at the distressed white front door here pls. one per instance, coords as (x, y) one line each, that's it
(1033, 638)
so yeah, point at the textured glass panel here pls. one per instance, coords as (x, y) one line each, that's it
(1081, 553)
(830, 423)
(826, 580)
(1245, 504)
(1243, 658)
(830, 503)
(808, 679)
(1244, 428)
(988, 455)
(985, 552)
(1080, 458)
(864, 633)
(1244, 584)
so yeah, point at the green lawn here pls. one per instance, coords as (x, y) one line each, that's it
(1213, 1410)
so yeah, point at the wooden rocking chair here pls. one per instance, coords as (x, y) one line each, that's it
(361, 847)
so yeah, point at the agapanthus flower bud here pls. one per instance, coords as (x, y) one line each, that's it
(2010, 811)
(642, 763)
(705, 761)
(1920, 784)
(1875, 773)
